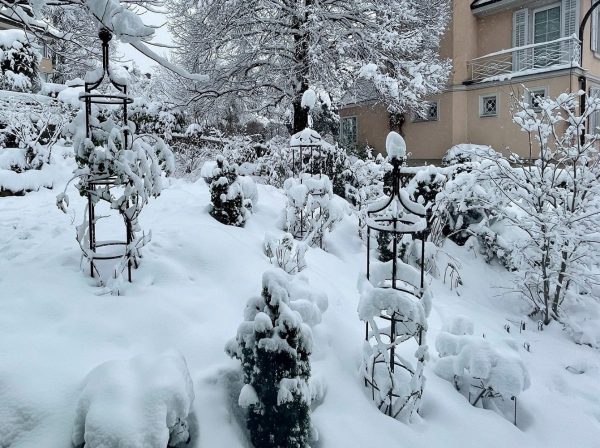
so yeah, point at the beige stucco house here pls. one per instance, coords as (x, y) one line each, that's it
(498, 47)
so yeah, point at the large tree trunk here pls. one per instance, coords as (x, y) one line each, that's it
(302, 61)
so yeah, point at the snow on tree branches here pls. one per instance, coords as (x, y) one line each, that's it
(391, 45)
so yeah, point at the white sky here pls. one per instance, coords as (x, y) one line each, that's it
(162, 36)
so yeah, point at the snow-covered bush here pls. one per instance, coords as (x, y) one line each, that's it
(31, 129)
(18, 62)
(479, 368)
(285, 252)
(274, 344)
(554, 200)
(311, 209)
(153, 117)
(124, 169)
(143, 402)
(226, 195)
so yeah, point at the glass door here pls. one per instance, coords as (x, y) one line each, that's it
(546, 28)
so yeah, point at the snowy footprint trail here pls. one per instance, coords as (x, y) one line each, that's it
(189, 295)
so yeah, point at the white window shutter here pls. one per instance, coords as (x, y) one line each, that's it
(520, 37)
(594, 35)
(570, 17)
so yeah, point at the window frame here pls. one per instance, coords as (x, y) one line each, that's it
(482, 99)
(343, 134)
(531, 95)
(427, 119)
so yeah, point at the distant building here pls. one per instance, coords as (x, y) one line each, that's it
(497, 46)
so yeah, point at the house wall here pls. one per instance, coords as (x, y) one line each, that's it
(463, 32)
(591, 60)
(468, 37)
(494, 32)
(500, 132)
(373, 124)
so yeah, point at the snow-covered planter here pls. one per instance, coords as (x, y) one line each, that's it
(274, 344)
(285, 252)
(226, 195)
(143, 402)
(490, 374)
(18, 62)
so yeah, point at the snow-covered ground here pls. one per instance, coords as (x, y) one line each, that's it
(189, 295)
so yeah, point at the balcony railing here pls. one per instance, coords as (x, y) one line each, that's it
(528, 59)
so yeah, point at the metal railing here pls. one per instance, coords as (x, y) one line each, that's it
(518, 61)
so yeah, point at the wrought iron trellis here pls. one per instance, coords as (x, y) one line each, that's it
(403, 218)
(308, 159)
(96, 184)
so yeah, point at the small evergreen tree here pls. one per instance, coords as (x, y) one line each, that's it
(226, 195)
(18, 62)
(274, 346)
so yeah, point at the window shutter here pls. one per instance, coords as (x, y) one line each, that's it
(520, 37)
(594, 36)
(570, 19)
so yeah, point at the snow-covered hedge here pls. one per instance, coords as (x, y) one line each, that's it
(274, 344)
(144, 402)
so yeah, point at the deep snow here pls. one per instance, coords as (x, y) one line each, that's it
(189, 295)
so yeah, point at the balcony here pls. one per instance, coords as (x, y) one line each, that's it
(528, 59)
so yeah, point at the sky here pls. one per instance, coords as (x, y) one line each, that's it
(162, 36)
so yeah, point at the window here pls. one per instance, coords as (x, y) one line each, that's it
(546, 28)
(430, 113)
(535, 95)
(488, 106)
(349, 130)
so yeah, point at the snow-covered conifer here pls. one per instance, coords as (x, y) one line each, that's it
(18, 62)
(274, 345)
(226, 195)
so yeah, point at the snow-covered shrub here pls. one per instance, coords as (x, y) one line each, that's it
(469, 203)
(553, 199)
(143, 402)
(365, 186)
(274, 344)
(311, 209)
(285, 252)
(226, 195)
(479, 368)
(124, 169)
(465, 153)
(153, 117)
(33, 128)
(18, 62)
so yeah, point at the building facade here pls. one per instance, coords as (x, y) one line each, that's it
(501, 50)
